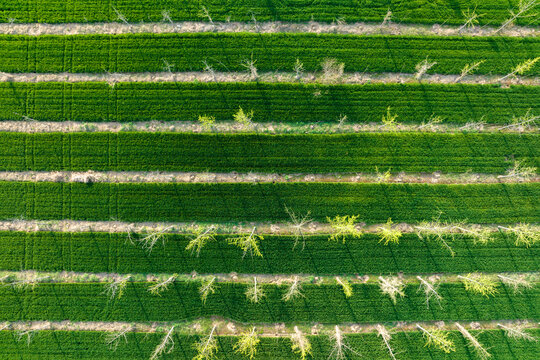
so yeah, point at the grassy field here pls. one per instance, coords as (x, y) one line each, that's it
(53, 345)
(104, 252)
(282, 102)
(348, 153)
(272, 52)
(169, 202)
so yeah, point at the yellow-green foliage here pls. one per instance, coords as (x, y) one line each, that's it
(346, 286)
(247, 344)
(479, 284)
(388, 234)
(438, 338)
(342, 227)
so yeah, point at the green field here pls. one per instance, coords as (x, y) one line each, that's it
(282, 102)
(420, 11)
(324, 304)
(53, 345)
(363, 152)
(374, 203)
(272, 52)
(113, 253)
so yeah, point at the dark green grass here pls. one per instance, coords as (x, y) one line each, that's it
(225, 202)
(54, 345)
(420, 11)
(285, 102)
(102, 252)
(363, 152)
(320, 303)
(226, 52)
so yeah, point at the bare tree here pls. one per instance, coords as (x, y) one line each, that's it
(478, 234)
(516, 282)
(473, 343)
(116, 287)
(519, 170)
(298, 69)
(205, 13)
(166, 345)
(522, 123)
(207, 347)
(340, 348)
(120, 16)
(294, 290)
(387, 18)
(299, 224)
(517, 332)
(166, 16)
(114, 339)
(332, 70)
(436, 230)
(29, 334)
(255, 292)
(300, 344)
(430, 289)
(437, 338)
(524, 6)
(386, 337)
(423, 67)
(392, 286)
(249, 64)
(151, 238)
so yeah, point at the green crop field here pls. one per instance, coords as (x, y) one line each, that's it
(272, 52)
(269, 179)
(283, 102)
(410, 152)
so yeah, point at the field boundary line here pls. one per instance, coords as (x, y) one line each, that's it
(356, 28)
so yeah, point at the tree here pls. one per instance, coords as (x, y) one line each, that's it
(479, 235)
(207, 347)
(469, 69)
(389, 120)
(298, 69)
(247, 344)
(151, 238)
(436, 230)
(521, 123)
(524, 7)
(471, 19)
(294, 290)
(162, 286)
(249, 243)
(332, 70)
(520, 171)
(521, 68)
(340, 348)
(386, 337)
(243, 118)
(29, 334)
(392, 286)
(389, 234)
(437, 338)
(207, 122)
(526, 234)
(200, 237)
(300, 344)
(207, 287)
(342, 227)
(517, 332)
(479, 284)
(430, 289)
(346, 286)
(249, 64)
(473, 343)
(299, 225)
(422, 68)
(255, 292)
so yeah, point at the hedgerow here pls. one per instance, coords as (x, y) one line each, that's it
(82, 252)
(270, 102)
(492, 12)
(271, 52)
(90, 345)
(322, 303)
(237, 202)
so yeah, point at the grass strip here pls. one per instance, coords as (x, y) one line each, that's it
(229, 202)
(322, 303)
(54, 345)
(363, 152)
(227, 52)
(285, 102)
(445, 11)
(113, 253)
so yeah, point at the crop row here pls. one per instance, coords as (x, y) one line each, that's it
(323, 303)
(285, 102)
(363, 152)
(271, 52)
(449, 12)
(52, 345)
(113, 253)
(226, 202)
